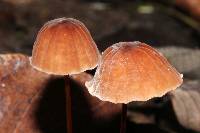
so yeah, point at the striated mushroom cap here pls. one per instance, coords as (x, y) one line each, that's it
(64, 46)
(133, 71)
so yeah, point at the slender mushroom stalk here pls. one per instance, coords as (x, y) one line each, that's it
(123, 118)
(132, 71)
(69, 104)
(64, 46)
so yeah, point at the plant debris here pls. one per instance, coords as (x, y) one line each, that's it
(34, 102)
(185, 101)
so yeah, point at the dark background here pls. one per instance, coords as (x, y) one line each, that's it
(157, 22)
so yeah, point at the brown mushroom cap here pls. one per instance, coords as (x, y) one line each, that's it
(133, 71)
(64, 46)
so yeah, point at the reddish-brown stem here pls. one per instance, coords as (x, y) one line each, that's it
(123, 118)
(68, 102)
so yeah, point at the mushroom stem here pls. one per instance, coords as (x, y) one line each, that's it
(68, 102)
(123, 118)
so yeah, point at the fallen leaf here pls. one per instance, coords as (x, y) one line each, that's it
(19, 85)
(185, 101)
(191, 5)
(34, 102)
(185, 60)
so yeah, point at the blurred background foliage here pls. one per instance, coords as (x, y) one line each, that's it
(157, 22)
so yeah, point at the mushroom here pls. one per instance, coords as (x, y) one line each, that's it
(64, 46)
(132, 71)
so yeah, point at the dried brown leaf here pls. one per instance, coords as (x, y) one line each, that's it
(185, 60)
(34, 102)
(19, 85)
(186, 104)
(191, 5)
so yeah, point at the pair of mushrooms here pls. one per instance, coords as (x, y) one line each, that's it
(127, 71)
